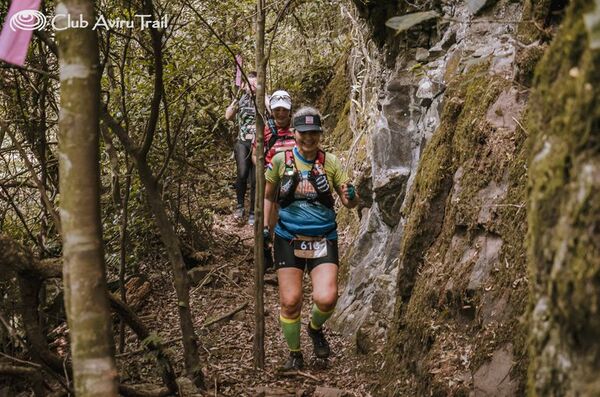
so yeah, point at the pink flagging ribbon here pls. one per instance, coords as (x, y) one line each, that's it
(238, 70)
(23, 17)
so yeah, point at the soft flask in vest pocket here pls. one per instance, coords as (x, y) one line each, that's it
(288, 183)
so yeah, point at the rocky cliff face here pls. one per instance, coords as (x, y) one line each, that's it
(439, 264)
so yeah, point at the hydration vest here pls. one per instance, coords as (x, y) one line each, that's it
(275, 138)
(316, 177)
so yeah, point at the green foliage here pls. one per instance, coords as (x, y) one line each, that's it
(308, 43)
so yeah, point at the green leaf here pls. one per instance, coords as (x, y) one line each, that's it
(592, 24)
(407, 21)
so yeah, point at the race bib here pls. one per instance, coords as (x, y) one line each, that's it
(310, 247)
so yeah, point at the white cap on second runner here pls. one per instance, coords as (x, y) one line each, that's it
(280, 99)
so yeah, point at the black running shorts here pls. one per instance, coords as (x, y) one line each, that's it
(284, 255)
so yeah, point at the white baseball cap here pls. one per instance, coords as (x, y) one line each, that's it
(280, 99)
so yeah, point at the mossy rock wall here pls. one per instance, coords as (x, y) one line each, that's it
(334, 104)
(564, 214)
(499, 273)
(462, 284)
(497, 240)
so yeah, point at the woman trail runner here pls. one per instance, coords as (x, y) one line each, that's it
(245, 114)
(278, 135)
(305, 238)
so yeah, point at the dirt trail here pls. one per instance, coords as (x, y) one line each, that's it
(227, 345)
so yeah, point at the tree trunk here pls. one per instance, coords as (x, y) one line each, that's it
(259, 258)
(29, 288)
(86, 299)
(30, 275)
(123, 238)
(171, 242)
(157, 205)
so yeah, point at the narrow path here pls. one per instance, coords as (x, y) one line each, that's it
(230, 344)
(227, 344)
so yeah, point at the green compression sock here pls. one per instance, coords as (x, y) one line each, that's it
(291, 332)
(318, 317)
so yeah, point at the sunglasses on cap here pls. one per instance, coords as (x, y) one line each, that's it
(281, 98)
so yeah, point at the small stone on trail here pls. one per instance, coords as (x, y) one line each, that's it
(475, 6)
(363, 342)
(235, 275)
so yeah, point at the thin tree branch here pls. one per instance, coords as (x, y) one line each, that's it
(20, 361)
(158, 83)
(46, 40)
(227, 47)
(121, 133)
(171, 145)
(29, 69)
(49, 206)
(274, 28)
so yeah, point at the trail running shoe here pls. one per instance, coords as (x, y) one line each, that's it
(251, 219)
(294, 362)
(320, 345)
(238, 214)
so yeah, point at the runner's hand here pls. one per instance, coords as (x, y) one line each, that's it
(266, 235)
(267, 248)
(349, 191)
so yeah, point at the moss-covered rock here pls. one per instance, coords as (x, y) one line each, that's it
(540, 17)
(564, 213)
(334, 103)
(461, 281)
